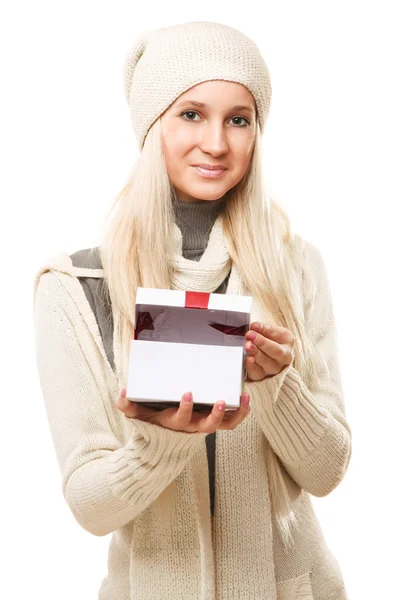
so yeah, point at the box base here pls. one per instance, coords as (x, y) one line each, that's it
(197, 407)
(160, 372)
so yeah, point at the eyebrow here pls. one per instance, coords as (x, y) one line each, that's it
(203, 105)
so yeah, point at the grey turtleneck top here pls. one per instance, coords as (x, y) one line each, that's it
(195, 220)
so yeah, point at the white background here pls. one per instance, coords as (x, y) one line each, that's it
(332, 157)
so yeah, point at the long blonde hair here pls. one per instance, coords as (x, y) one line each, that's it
(135, 249)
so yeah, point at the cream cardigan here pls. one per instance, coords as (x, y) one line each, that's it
(148, 485)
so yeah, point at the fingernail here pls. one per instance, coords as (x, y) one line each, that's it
(246, 399)
(221, 407)
(187, 397)
(123, 393)
(256, 326)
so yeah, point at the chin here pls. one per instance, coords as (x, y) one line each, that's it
(206, 193)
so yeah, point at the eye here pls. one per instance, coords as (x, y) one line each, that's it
(193, 112)
(243, 119)
(189, 112)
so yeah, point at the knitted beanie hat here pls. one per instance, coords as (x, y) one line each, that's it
(164, 63)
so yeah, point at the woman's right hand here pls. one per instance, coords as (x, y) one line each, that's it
(183, 417)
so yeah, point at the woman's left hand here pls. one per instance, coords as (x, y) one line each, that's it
(270, 348)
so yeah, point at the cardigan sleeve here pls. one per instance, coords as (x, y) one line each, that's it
(106, 484)
(307, 427)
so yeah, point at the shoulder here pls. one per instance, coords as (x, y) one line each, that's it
(77, 264)
(306, 249)
(310, 265)
(60, 273)
(307, 257)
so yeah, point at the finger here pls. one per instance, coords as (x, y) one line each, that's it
(234, 418)
(183, 415)
(132, 410)
(211, 422)
(122, 403)
(260, 358)
(136, 411)
(274, 350)
(273, 332)
(279, 334)
(257, 358)
(254, 370)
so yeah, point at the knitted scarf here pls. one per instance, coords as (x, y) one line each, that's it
(207, 274)
(231, 462)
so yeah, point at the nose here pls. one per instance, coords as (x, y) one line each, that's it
(213, 139)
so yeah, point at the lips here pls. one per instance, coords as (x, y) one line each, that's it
(210, 167)
(209, 173)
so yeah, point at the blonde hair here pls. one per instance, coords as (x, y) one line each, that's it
(135, 249)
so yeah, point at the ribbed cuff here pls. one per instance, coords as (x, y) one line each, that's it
(162, 444)
(154, 456)
(288, 414)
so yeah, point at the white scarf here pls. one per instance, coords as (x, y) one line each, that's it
(207, 274)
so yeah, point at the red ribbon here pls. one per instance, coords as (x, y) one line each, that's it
(197, 299)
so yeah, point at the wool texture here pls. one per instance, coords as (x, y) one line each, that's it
(206, 274)
(163, 63)
(148, 486)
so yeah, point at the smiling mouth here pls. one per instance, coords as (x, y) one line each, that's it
(209, 173)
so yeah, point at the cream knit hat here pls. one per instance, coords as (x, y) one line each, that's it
(164, 63)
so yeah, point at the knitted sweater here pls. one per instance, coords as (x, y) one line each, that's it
(148, 485)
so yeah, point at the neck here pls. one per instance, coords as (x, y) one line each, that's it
(195, 219)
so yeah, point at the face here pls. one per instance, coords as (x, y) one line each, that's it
(212, 123)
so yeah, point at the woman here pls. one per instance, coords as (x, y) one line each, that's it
(200, 506)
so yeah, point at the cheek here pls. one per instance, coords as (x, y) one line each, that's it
(245, 153)
(171, 143)
(175, 148)
(241, 160)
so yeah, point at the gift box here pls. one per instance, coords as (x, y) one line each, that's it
(188, 341)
